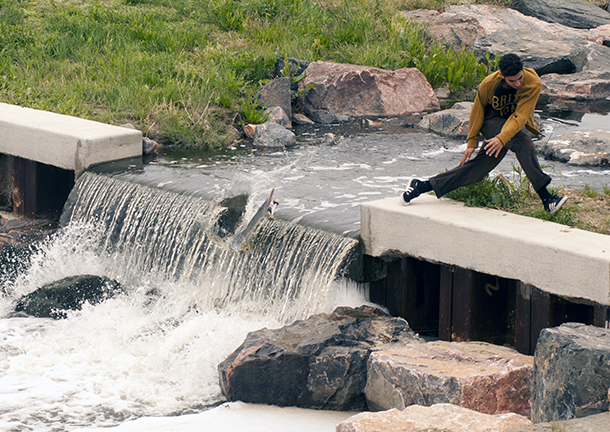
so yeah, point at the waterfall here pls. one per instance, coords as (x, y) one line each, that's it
(287, 273)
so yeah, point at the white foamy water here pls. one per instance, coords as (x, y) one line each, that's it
(153, 350)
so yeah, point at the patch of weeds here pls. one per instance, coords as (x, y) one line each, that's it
(590, 192)
(253, 112)
(514, 197)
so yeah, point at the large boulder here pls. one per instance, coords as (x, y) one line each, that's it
(460, 26)
(585, 85)
(580, 148)
(498, 31)
(479, 376)
(319, 362)
(593, 423)
(54, 299)
(572, 13)
(555, 55)
(437, 418)
(363, 91)
(571, 372)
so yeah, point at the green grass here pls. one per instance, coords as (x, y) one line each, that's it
(515, 196)
(184, 71)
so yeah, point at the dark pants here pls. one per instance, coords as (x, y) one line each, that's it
(477, 168)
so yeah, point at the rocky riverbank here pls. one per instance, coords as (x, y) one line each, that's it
(573, 62)
(421, 385)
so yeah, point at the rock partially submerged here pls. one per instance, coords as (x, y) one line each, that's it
(450, 122)
(580, 148)
(54, 299)
(437, 418)
(319, 362)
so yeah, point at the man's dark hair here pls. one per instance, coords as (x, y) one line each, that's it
(510, 65)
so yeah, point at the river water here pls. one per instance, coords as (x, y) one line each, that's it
(188, 300)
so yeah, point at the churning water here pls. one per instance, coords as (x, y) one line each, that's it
(188, 299)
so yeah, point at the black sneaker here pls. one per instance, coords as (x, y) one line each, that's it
(411, 192)
(554, 203)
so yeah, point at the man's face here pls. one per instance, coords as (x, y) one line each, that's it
(513, 81)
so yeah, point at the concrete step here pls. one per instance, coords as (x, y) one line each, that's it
(62, 141)
(555, 258)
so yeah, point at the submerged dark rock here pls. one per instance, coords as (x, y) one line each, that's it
(318, 363)
(54, 299)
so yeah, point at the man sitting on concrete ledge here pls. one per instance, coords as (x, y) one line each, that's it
(504, 105)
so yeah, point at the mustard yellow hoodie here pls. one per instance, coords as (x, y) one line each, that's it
(527, 97)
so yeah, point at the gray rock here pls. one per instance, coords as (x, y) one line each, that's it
(499, 31)
(315, 363)
(593, 423)
(571, 372)
(362, 91)
(277, 93)
(555, 55)
(580, 148)
(461, 25)
(279, 116)
(297, 67)
(326, 117)
(572, 13)
(272, 135)
(54, 299)
(450, 122)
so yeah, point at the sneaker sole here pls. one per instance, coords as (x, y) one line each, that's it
(559, 205)
(402, 199)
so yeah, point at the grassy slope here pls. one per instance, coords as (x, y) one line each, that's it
(184, 71)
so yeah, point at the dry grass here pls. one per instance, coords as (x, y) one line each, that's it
(592, 212)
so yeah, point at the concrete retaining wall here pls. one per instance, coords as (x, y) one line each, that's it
(554, 258)
(62, 141)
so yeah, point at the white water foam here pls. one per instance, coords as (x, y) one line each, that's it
(153, 350)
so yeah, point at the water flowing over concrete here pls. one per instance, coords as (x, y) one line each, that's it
(286, 274)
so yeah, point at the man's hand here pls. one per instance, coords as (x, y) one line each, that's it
(493, 147)
(467, 154)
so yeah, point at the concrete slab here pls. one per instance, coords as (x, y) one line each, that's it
(63, 141)
(555, 258)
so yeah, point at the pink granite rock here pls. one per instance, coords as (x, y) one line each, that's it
(363, 91)
(483, 377)
(441, 418)
(461, 25)
(585, 85)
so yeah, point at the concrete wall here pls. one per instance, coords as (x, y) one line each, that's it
(62, 141)
(554, 258)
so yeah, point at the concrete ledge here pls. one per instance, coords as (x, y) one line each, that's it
(62, 141)
(554, 258)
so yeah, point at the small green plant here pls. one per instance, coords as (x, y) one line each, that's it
(590, 192)
(606, 190)
(253, 111)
